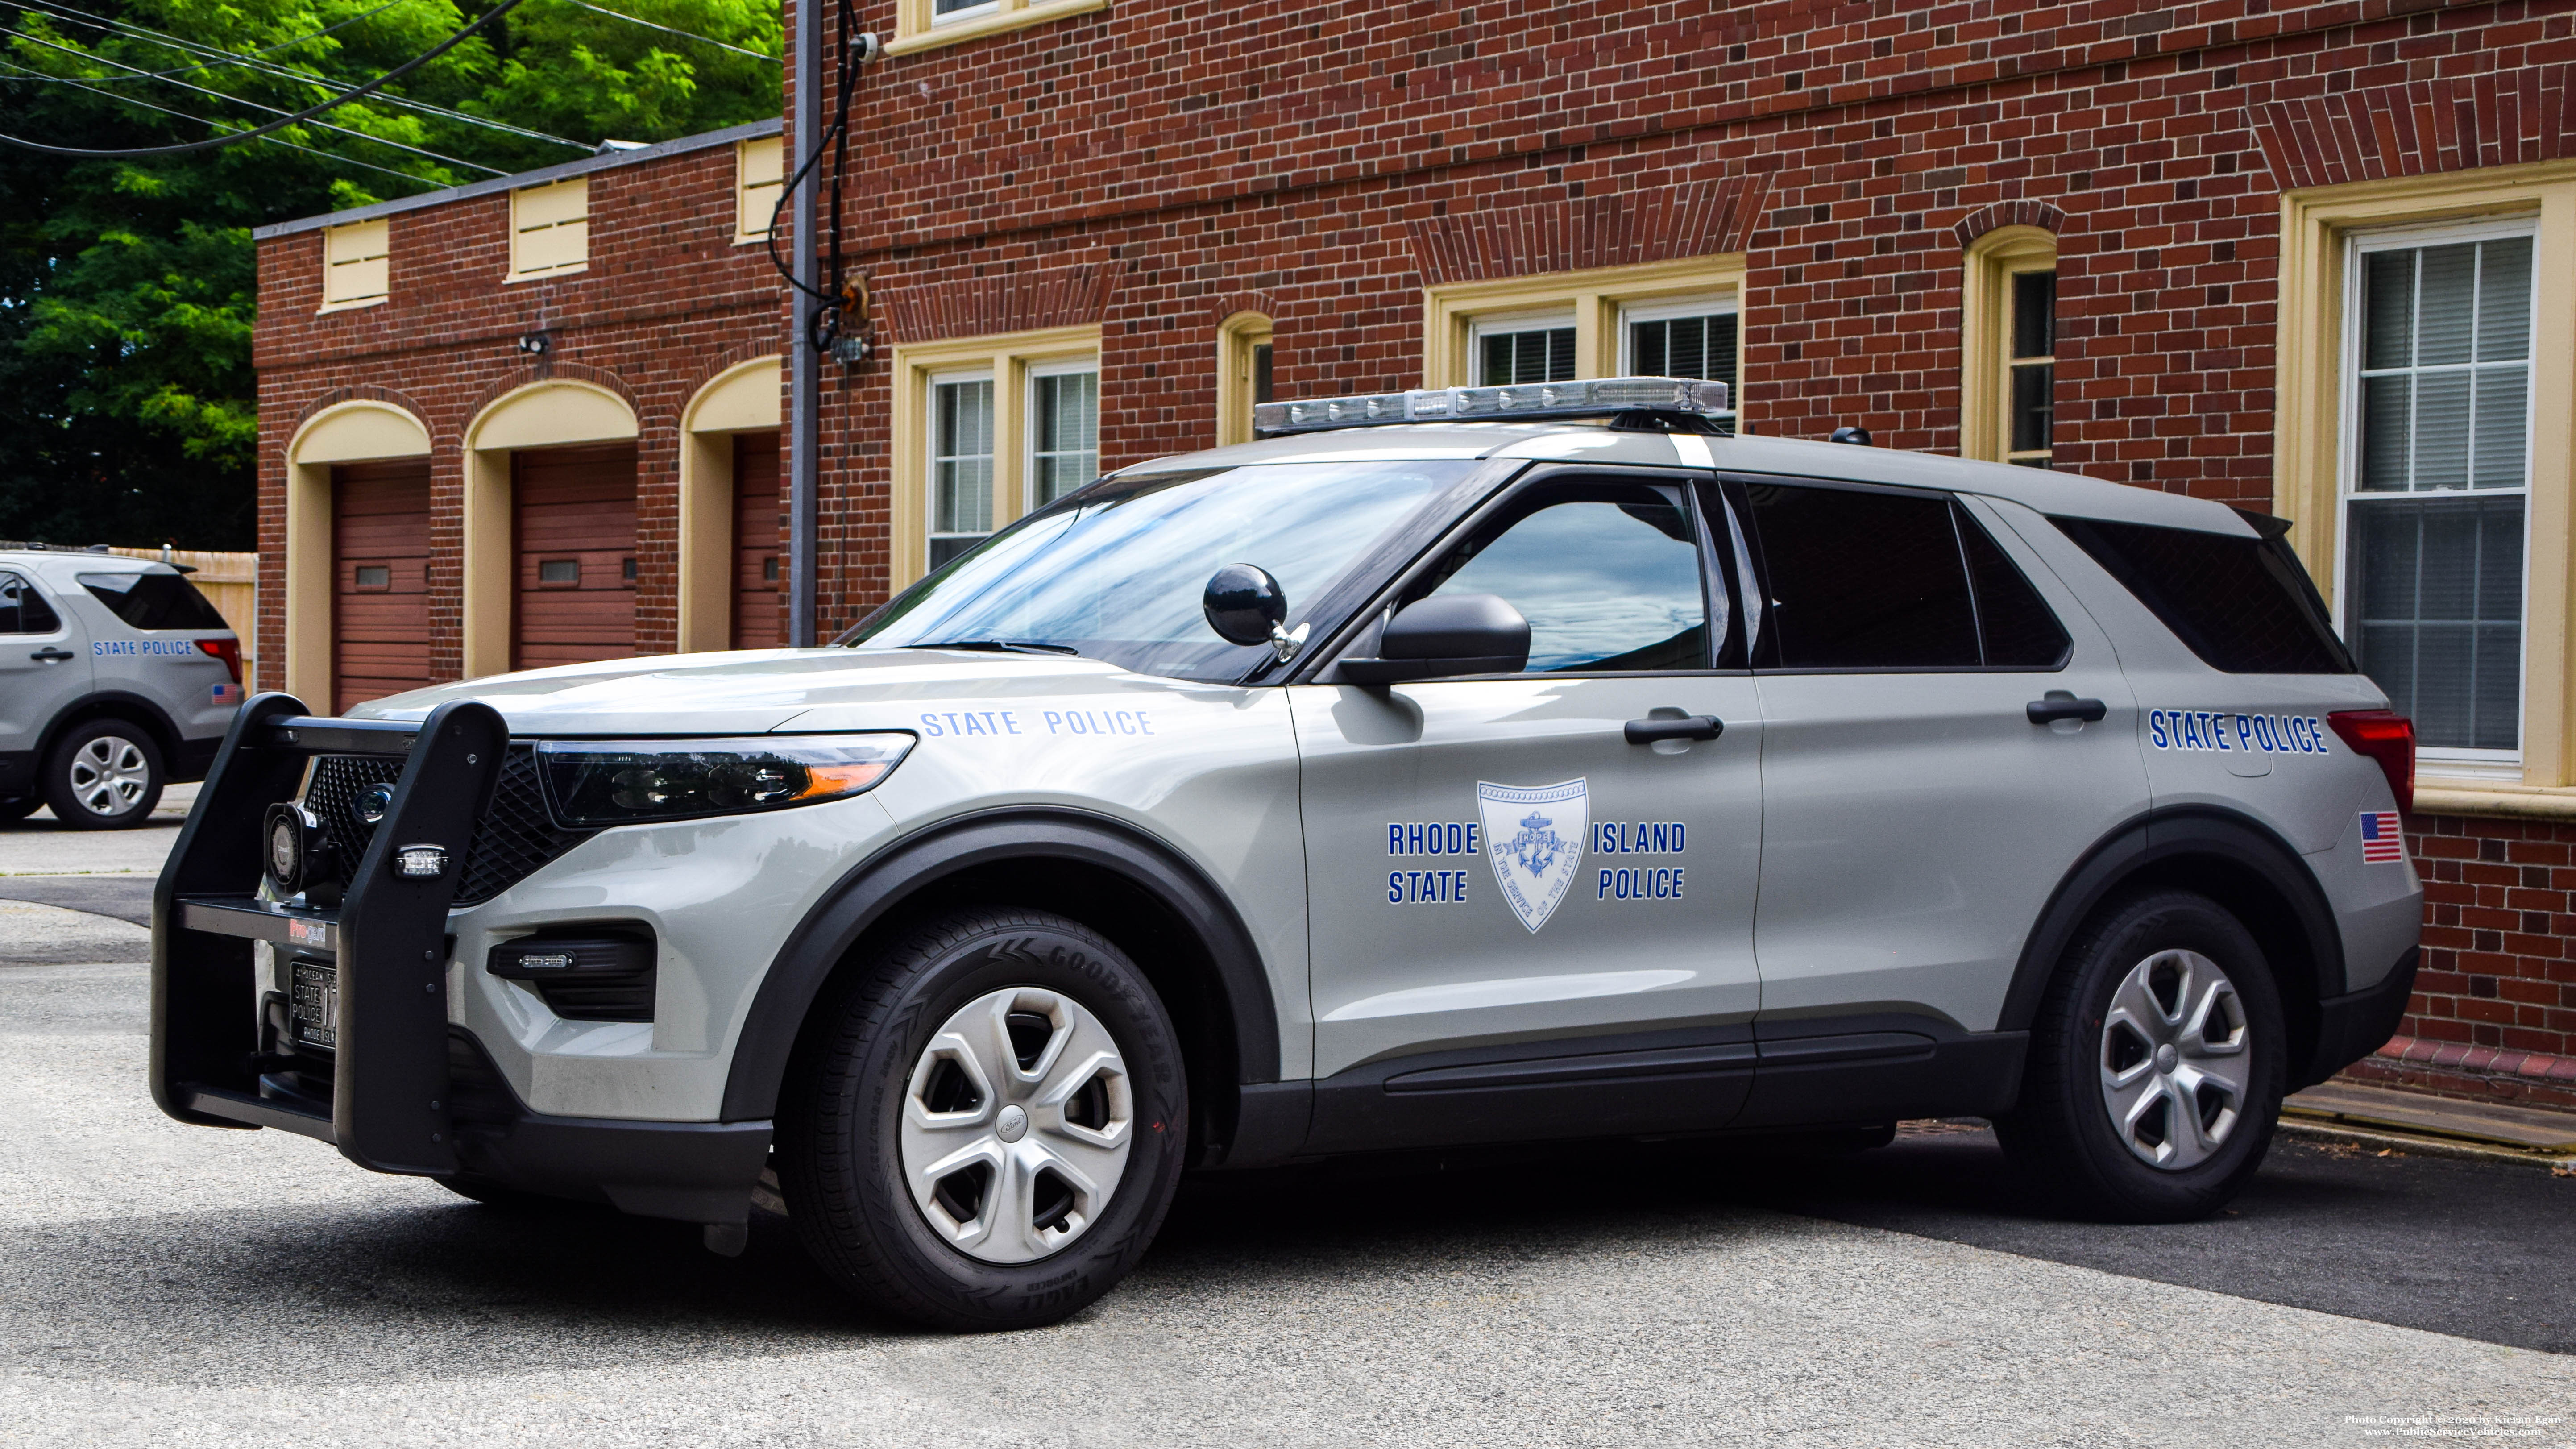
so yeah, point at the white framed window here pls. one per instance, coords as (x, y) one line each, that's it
(2030, 363)
(550, 228)
(949, 12)
(1522, 347)
(2435, 478)
(357, 264)
(961, 462)
(1064, 429)
(759, 170)
(1695, 337)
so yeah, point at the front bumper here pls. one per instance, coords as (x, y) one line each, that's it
(402, 1090)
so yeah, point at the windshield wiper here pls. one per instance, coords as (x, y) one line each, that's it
(1004, 646)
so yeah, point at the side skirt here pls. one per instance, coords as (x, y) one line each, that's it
(1821, 1072)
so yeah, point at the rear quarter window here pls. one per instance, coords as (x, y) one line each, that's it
(154, 601)
(2244, 605)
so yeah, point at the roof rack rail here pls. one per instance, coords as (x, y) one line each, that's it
(1520, 402)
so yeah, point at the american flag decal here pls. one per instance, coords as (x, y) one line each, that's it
(2382, 843)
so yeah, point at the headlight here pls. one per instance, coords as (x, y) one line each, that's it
(610, 782)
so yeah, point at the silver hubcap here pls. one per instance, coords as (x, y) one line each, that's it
(109, 775)
(2175, 1056)
(1016, 1125)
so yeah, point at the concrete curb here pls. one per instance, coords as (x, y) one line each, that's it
(2314, 1130)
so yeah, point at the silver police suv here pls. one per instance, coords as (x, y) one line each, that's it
(1461, 766)
(116, 678)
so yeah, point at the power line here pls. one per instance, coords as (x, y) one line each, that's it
(182, 70)
(667, 30)
(236, 137)
(189, 47)
(183, 115)
(274, 111)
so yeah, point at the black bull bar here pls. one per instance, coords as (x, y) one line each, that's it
(393, 1097)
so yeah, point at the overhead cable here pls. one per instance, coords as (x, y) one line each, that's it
(275, 111)
(668, 30)
(269, 68)
(182, 70)
(236, 137)
(269, 140)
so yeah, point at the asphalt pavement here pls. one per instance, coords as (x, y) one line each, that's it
(171, 1285)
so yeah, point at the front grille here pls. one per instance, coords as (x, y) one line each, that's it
(514, 837)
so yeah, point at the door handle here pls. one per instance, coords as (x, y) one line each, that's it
(51, 655)
(2060, 704)
(1689, 727)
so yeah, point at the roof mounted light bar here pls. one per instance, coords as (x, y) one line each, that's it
(1521, 402)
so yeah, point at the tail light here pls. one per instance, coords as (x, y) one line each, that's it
(227, 650)
(2388, 738)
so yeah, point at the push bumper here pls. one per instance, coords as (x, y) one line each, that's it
(400, 1090)
(2352, 1027)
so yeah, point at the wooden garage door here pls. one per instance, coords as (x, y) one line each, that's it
(758, 571)
(379, 580)
(576, 539)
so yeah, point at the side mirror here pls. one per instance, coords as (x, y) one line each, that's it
(1448, 635)
(1245, 605)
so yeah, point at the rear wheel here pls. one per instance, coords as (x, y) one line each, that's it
(985, 1126)
(104, 775)
(2156, 1065)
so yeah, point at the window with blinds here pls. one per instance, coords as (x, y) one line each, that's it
(2436, 474)
(1689, 339)
(961, 465)
(356, 264)
(1064, 431)
(1518, 351)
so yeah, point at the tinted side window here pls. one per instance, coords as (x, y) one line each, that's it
(154, 601)
(1862, 580)
(23, 610)
(1609, 581)
(2017, 627)
(2242, 604)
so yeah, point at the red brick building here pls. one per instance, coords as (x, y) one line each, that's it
(2318, 259)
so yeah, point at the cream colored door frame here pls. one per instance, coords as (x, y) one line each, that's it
(742, 399)
(350, 432)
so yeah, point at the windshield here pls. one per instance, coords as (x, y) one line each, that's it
(1117, 571)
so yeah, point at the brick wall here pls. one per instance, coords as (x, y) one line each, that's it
(667, 303)
(1155, 169)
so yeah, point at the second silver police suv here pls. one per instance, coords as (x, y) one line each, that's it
(116, 678)
(1541, 765)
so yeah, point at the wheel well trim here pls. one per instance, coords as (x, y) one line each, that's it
(2138, 845)
(113, 704)
(870, 891)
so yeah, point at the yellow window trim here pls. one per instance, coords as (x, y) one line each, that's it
(914, 30)
(374, 241)
(1009, 355)
(1236, 336)
(1595, 295)
(1985, 305)
(2307, 423)
(751, 213)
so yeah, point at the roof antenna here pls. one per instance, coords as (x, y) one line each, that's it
(1850, 434)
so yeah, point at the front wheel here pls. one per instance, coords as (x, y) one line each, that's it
(2157, 1064)
(105, 775)
(986, 1124)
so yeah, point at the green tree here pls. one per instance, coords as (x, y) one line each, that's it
(128, 286)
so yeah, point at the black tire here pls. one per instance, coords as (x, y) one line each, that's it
(70, 777)
(840, 1157)
(2061, 1134)
(13, 811)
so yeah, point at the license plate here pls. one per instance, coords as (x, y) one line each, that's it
(313, 1016)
